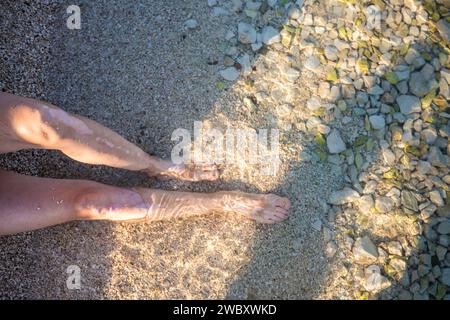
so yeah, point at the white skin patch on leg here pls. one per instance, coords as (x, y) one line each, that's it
(68, 120)
(103, 140)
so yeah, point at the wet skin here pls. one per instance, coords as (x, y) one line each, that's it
(28, 203)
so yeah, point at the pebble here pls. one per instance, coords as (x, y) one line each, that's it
(444, 227)
(445, 276)
(384, 204)
(219, 11)
(436, 198)
(191, 24)
(423, 81)
(331, 53)
(409, 201)
(246, 33)
(364, 251)
(365, 203)
(429, 135)
(312, 63)
(444, 29)
(374, 281)
(388, 157)
(229, 74)
(409, 104)
(335, 143)
(346, 195)
(270, 35)
(313, 104)
(444, 211)
(377, 122)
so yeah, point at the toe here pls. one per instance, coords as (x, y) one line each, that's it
(282, 212)
(283, 203)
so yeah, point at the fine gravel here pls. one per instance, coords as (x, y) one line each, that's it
(133, 68)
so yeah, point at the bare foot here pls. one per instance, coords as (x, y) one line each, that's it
(186, 172)
(263, 208)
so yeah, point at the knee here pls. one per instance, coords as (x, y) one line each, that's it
(31, 125)
(86, 203)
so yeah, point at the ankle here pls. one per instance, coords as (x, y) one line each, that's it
(157, 166)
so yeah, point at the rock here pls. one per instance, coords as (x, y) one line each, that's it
(340, 44)
(444, 211)
(313, 104)
(364, 251)
(384, 204)
(423, 81)
(441, 252)
(375, 90)
(324, 90)
(423, 167)
(377, 122)
(408, 104)
(445, 74)
(405, 295)
(191, 24)
(335, 94)
(312, 63)
(436, 198)
(445, 276)
(412, 4)
(395, 248)
(335, 143)
(212, 3)
(370, 187)
(219, 11)
(374, 281)
(429, 135)
(270, 35)
(308, 21)
(365, 203)
(229, 74)
(284, 110)
(331, 249)
(246, 33)
(444, 240)
(317, 225)
(331, 53)
(444, 29)
(409, 201)
(444, 227)
(245, 63)
(437, 159)
(398, 264)
(411, 55)
(292, 74)
(346, 195)
(388, 156)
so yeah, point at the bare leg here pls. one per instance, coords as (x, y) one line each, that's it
(27, 123)
(29, 203)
